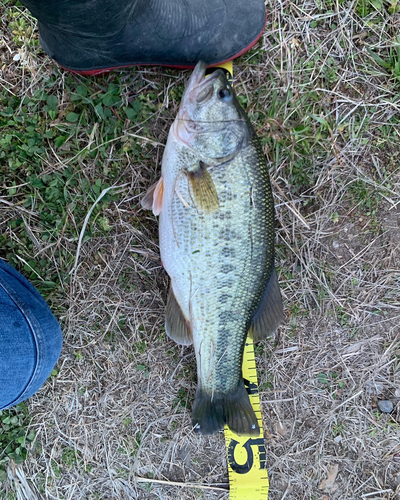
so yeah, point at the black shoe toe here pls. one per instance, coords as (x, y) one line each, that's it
(86, 36)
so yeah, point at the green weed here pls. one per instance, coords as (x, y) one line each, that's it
(391, 60)
(131, 444)
(69, 457)
(14, 436)
(182, 399)
(366, 7)
(144, 369)
(266, 382)
(338, 429)
(362, 193)
(21, 29)
(331, 382)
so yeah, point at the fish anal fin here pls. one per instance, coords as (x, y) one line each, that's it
(176, 325)
(269, 314)
(153, 198)
(211, 412)
(203, 188)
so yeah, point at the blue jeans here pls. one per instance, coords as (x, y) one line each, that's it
(30, 338)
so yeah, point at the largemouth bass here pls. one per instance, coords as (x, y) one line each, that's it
(216, 231)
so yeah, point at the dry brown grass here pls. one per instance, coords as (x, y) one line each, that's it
(112, 414)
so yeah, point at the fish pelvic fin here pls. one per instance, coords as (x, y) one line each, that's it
(203, 188)
(211, 412)
(269, 314)
(177, 326)
(153, 198)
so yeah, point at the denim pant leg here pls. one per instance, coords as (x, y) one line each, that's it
(30, 338)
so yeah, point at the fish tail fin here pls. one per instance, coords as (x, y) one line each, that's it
(211, 413)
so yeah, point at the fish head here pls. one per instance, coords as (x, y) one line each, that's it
(210, 120)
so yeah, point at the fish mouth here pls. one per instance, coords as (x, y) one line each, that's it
(198, 80)
(199, 88)
(198, 75)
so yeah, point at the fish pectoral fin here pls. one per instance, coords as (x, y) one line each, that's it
(269, 314)
(203, 188)
(176, 325)
(153, 198)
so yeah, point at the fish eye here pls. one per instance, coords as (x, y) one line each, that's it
(224, 93)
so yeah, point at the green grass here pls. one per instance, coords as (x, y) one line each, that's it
(15, 438)
(84, 123)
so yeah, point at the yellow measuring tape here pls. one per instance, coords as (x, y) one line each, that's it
(248, 477)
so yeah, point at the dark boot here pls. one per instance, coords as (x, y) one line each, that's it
(91, 36)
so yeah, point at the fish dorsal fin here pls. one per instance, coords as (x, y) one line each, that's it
(269, 314)
(203, 188)
(176, 325)
(153, 198)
